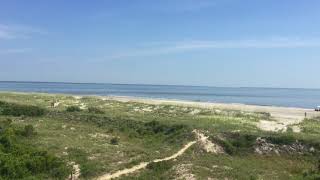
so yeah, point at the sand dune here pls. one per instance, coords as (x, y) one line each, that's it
(283, 116)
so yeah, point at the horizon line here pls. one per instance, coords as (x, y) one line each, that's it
(146, 84)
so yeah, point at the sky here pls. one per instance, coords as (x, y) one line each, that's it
(229, 43)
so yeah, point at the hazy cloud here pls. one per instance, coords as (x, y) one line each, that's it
(15, 51)
(18, 31)
(185, 46)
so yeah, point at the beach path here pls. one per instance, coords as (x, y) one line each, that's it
(144, 164)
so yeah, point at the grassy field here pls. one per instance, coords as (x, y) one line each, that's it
(95, 136)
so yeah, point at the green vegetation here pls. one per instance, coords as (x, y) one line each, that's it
(114, 141)
(160, 166)
(95, 110)
(73, 109)
(18, 159)
(40, 142)
(28, 131)
(88, 168)
(236, 143)
(13, 109)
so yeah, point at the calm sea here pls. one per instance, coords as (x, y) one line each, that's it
(305, 98)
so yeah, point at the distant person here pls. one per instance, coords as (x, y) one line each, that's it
(305, 115)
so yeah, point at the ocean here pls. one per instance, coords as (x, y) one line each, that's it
(303, 98)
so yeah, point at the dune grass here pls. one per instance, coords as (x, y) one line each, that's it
(105, 136)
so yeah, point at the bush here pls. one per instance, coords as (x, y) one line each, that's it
(18, 160)
(282, 139)
(237, 143)
(114, 141)
(157, 127)
(73, 109)
(311, 175)
(28, 131)
(12, 109)
(160, 166)
(228, 147)
(244, 141)
(95, 110)
(88, 168)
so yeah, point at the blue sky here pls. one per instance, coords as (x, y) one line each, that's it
(188, 42)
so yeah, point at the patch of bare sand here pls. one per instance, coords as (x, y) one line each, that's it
(206, 144)
(77, 97)
(183, 172)
(99, 135)
(83, 106)
(296, 129)
(75, 171)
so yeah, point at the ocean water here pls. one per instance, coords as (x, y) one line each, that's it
(305, 98)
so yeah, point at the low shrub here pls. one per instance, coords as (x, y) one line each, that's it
(28, 131)
(88, 168)
(114, 141)
(282, 139)
(237, 143)
(12, 109)
(73, 109)
(160, 166)
(227, 146)
(312, 174)
(156, 127)
(266, 115)
(95, 110)
(244, 141)
(18, 160)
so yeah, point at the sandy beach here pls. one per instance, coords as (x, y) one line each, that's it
(283, 116)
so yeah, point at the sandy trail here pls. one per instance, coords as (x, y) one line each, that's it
(283, 116)
(201, 138)
(144, 164)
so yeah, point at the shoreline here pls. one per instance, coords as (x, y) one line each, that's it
(184, 102)
(196, 104)
(153, 99)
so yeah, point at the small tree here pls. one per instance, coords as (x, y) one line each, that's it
(114, 141)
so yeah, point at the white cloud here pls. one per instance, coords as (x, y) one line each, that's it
(185, 46)
(18, 31)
